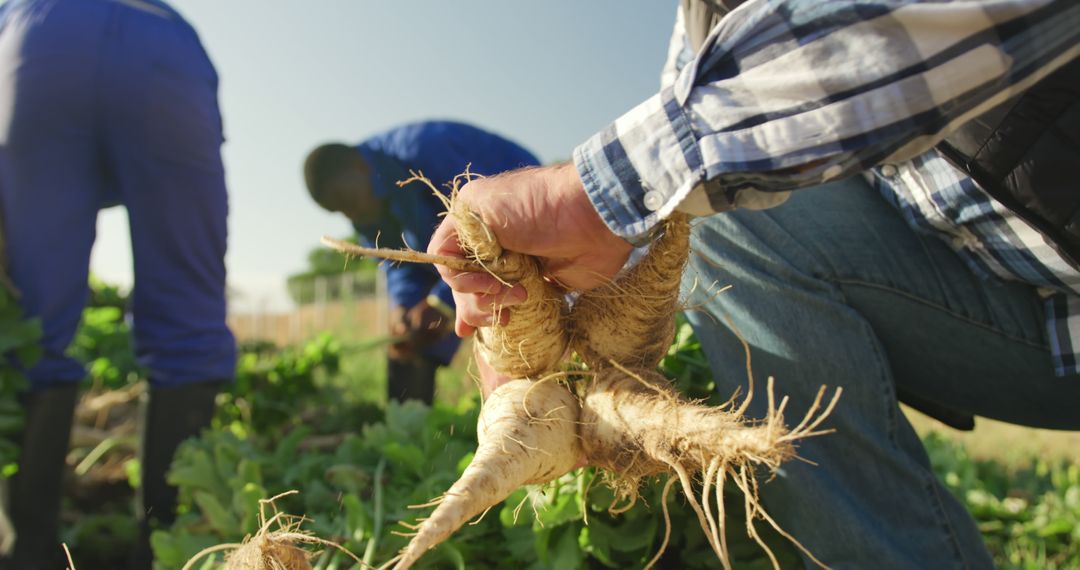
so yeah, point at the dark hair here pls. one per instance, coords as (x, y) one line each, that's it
(323, 164)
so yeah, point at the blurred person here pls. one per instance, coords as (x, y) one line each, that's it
(889, 189)
(361, 182)
(106, 102)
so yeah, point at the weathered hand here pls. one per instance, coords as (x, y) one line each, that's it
(489, 377)
(542, 212)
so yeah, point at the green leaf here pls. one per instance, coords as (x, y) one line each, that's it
(10, 424)
(248, 472)
(449, 552)
(565, 554)
(1062, 526)
(19, 333)
(220, 518)
(506, 513)
(357, 521)
(246, 503)
(133, 472)
(560, 505)
(464, 462)
(596, 544)
(349, 478)
(406, 419)
(633, 534)
(408, 456)
(29, 354)
(195, 470)
(172, 549)
(226, 459)
(286, 450)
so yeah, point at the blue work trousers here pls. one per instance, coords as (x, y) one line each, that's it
(833, 288)
(105, 102)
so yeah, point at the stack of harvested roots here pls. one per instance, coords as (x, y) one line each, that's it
(273, 547)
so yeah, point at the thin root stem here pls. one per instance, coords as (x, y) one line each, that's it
(667, 524)
(406, 255)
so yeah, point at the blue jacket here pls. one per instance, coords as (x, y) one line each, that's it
(440, 150)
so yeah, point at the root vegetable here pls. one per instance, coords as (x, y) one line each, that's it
(534, 340)
(527, 435)
(632, 424)
(635, 425)
(271, 549)
(268, 552)
(632, 320)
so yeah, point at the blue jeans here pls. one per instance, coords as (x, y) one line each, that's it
(833, 288)
(106, 103)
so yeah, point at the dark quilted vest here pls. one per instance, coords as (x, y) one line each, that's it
(1026, 154)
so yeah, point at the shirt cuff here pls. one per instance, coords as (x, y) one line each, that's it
(639, 169)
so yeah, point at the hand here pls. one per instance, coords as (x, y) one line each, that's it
(421, 326)
(403, 349)
(489, 377)
(427, 324)
(542, 212)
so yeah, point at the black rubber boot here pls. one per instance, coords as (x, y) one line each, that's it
(36, 490)
(171, 415)
(412, 378)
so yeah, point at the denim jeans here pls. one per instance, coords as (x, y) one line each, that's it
(833, 288)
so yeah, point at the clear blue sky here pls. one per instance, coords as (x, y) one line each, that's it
(297, 73)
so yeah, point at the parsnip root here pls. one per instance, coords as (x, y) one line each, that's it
(632, 320)
(527, 435)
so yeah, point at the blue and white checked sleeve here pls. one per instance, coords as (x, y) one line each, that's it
(787, 94)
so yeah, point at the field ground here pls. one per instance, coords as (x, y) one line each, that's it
(1012, 445)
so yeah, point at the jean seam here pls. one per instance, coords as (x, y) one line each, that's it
(930, 481)
(965, 318)
(892, 409)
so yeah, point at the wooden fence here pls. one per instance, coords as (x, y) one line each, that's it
(349, 318)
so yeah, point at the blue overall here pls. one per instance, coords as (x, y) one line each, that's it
(106, 102)
(440, 150)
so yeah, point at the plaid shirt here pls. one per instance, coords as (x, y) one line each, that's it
(787, 94)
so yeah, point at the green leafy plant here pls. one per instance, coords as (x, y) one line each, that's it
(1030, 518)
(352, 492)
(293, 422)
(285, 387)
(103, 340)
(355, 492)
(19, 350)
(103, 343)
